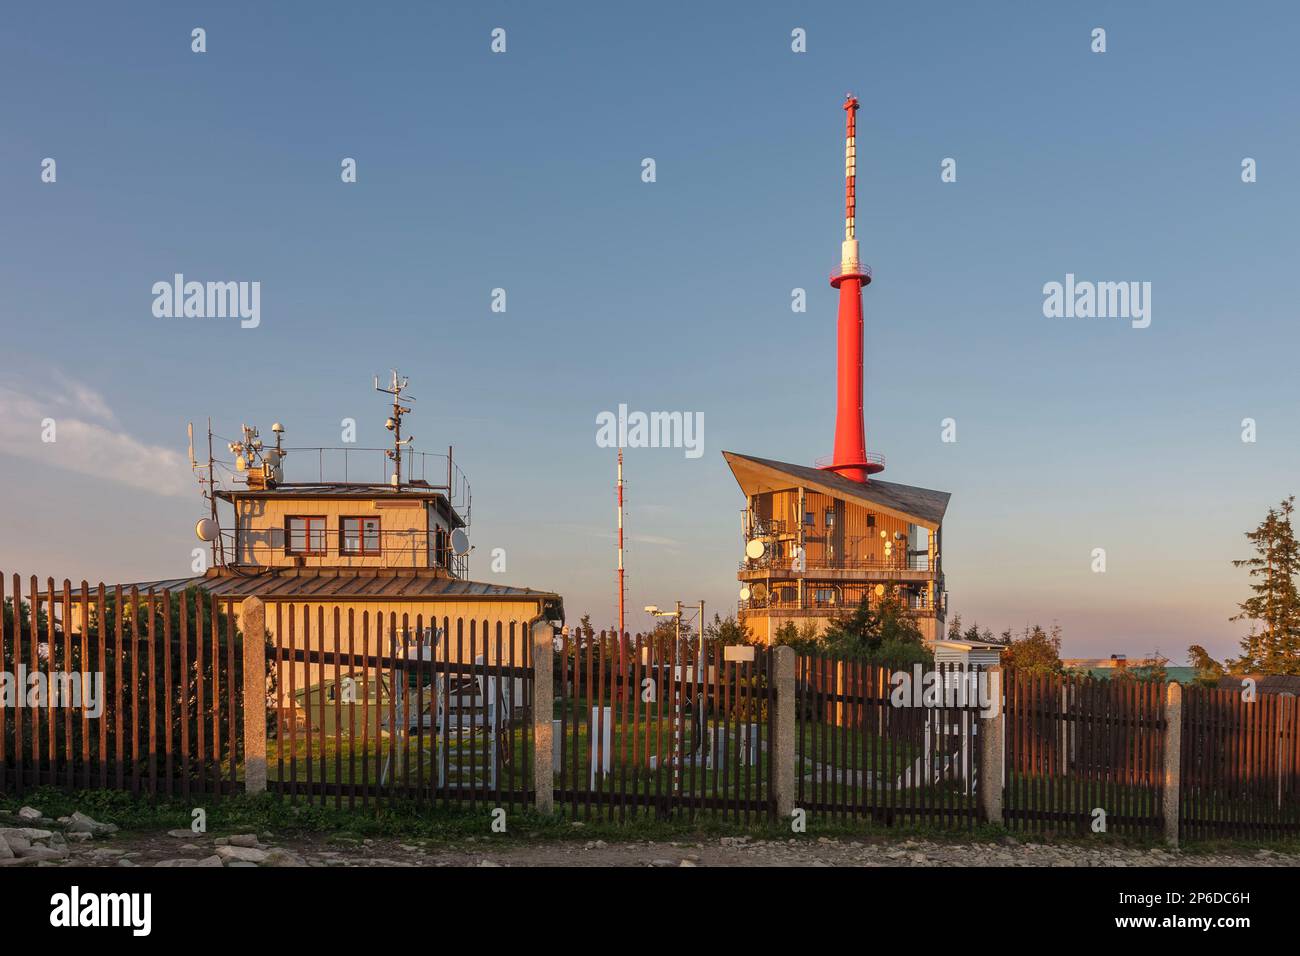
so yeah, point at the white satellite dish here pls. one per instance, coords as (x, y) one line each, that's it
(744, 593)
(241, 464)
(460, 541)
(754, 549)
(206, 529)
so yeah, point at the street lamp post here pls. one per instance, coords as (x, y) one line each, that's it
(676, 615)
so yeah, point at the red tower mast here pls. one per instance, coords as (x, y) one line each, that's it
(850, 458)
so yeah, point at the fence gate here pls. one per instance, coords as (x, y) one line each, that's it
(645, 725)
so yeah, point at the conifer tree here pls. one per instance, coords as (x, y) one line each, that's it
(1273, 647)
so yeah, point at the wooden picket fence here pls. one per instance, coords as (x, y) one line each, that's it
(1240, 765)
(371, 709)
(1082, 752)
(648, 725)
(862, 754)
(387, 707)
(166, 667)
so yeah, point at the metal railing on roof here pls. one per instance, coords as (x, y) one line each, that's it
(374, 467)
(872, 458)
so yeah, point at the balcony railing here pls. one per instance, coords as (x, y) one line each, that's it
(754, 526)
(916, 606)
(331, 548)
(813, 610)
(897, 562)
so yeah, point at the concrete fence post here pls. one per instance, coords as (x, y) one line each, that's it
(1173, 759)
(543, 638)
(783, 753)
(991, 750)
(252, 622)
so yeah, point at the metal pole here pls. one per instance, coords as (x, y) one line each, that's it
(621, 663)
(701, 674)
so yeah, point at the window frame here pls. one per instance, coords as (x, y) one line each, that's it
(307, 536)
(364, 552)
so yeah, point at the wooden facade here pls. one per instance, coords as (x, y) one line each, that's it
(828, 542)
(411, 528)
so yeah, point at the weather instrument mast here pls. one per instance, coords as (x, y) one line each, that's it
(394, 423)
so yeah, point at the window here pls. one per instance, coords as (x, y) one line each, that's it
(305, 535)
(809, 518)
(359, 536)
(824, 596)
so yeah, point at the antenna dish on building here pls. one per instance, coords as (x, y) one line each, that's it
(754, 549)
(460, 541)
(206, 529)
(744, 592)
(760, 591)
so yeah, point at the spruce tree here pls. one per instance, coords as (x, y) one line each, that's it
(1274, 646)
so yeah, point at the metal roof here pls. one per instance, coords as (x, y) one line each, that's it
(333, 584)
(923, 503)
(339, 490)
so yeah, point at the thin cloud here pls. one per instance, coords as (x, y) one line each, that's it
(88, 440)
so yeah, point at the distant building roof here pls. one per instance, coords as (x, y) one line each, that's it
(335, 584)
(1264, 683)
(764, 474)
(1179, 675)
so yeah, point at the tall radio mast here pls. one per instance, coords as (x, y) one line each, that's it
(620, 557)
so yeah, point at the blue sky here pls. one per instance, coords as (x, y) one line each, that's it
(522, 171)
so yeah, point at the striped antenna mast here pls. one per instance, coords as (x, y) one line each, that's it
(620, 556)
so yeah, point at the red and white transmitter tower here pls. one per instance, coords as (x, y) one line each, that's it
(850, 459)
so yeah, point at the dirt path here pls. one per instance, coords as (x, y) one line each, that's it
(266, 850)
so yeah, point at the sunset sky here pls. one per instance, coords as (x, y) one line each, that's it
(523, 171)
